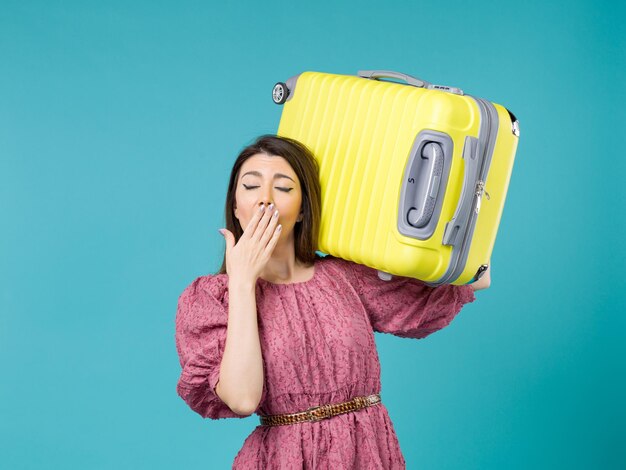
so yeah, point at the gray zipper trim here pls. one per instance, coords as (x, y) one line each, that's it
(471, 196)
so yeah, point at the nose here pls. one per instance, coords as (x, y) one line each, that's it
(265, 195)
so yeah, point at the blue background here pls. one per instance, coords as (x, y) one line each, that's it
(119, 124)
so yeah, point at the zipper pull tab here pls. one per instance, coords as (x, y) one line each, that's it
(480, 189)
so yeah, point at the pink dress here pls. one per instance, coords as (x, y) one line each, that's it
(317, 339)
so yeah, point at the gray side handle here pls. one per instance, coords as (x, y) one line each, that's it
(428, 182)
(453, 233)
(375, 74)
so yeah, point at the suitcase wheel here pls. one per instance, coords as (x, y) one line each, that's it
(280, 93)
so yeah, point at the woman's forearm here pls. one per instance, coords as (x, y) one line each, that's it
(241, 372)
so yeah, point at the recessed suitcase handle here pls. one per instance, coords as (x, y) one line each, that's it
(428, 182)
(376, 74)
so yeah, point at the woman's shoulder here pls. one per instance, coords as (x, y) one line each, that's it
(338, 267)
(212, 285)
(203, 302)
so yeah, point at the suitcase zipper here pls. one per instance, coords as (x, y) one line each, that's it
(460, 251)
(480, 189)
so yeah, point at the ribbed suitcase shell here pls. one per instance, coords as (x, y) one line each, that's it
(362, 132)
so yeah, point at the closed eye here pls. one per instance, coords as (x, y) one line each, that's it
(286, 190)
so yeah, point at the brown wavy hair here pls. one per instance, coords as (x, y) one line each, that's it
(305, 166)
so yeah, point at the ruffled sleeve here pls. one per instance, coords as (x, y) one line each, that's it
(405, 306)
(201, 323)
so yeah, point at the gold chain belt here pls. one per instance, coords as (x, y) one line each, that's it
(317, 413)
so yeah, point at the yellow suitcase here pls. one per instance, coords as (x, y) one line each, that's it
(413, 175)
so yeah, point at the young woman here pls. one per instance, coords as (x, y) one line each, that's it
(280, 330)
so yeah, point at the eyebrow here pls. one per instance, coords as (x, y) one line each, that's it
(276, 175)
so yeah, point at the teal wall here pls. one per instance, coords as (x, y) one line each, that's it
(119, 124)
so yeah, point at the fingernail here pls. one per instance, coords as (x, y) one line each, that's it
(271, 206)
(261, 208)
(221, 230)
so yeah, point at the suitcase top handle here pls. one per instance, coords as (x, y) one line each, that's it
(414, 81)
(376, 74)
